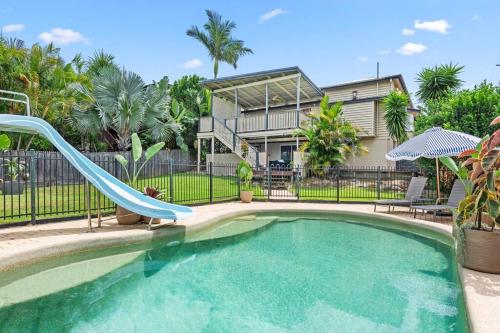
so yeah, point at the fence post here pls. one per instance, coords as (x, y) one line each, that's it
(238, 184)
(33, 176)
(210, 171)
(379, 179)
(338, 183)
(268, 180)
(171, 180)
(298, 179)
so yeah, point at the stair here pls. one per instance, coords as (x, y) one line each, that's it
(233, 141)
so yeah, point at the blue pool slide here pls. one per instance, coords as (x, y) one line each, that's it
(117, 191)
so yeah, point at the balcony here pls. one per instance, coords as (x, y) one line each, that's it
(278, 120)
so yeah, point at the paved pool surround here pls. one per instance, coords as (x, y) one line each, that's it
(20, 246)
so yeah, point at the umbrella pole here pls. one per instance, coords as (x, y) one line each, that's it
(437, 178)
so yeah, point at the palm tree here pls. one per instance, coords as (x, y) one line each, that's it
(218, 40)
(117, 104)
(395, 116)
(437, 82)
(330, 139)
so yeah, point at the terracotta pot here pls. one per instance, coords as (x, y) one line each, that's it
(482, 251)
(246, 196)
(126, 217)
(145, 219)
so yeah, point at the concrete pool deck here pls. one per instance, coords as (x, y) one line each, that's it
(27, 244)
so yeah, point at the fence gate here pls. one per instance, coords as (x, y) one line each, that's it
(281, 182)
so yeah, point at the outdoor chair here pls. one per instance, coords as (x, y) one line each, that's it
(457, 194)
(413, 194)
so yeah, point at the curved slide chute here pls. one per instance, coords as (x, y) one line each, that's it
(117, 191)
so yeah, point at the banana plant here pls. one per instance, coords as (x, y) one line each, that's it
(4, 142)
(245, 173)
(136, 157)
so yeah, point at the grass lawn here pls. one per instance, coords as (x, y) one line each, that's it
(69, 200)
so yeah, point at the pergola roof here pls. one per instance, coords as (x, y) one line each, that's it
(251, 88)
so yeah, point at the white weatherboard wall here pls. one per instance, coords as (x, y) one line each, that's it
(222, 109)
(365, 90)
(361, 115)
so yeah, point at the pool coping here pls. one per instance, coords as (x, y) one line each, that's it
(481, 290)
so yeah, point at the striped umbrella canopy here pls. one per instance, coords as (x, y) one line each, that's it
(433, 143)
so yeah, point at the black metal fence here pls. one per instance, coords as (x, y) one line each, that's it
(45, 186)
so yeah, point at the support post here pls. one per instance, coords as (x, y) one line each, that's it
(437, 179)
(87, 204)
(99, 215)
(236, 104)
(297, 120)
(211, 173)
(213, 148)
(265, 148)
(267, 106)
(33, 185)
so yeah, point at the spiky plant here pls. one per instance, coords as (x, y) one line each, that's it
(436, 82)
(395, 115)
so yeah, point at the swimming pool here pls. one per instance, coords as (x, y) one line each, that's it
(267, 272)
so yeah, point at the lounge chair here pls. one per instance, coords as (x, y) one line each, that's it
(457, 194)
(413, 194)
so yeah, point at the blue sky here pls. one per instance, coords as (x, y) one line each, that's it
(332, 41)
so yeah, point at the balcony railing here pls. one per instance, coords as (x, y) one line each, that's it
(277, 120)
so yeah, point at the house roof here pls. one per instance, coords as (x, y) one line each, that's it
(369, 80)
(251, 88)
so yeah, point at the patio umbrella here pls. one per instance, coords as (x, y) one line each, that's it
(433, 143)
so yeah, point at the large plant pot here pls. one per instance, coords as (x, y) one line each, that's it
(246, 196)
(13, 187)
(126, 217)
(481, 251)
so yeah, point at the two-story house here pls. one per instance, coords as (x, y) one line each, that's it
(255, 116)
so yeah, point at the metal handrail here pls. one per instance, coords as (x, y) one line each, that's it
(26, 102)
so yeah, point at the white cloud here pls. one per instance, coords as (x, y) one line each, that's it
(363, 59)
(193, 63)
(63, 36)
(412, 48)
(440, 26)
(271, 14)
(475, 17)
(382, 52)
(13, 27)
(408, 32)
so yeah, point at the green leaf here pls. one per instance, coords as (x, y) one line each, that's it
(450, 164)
(4, 142)
(122, 160)
(136, 147)
(153, 150)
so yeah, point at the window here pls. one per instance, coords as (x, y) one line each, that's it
(287, 152)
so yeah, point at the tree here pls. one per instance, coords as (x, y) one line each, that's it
(437, 82)
(396, 116)
(118, 104)
(221, 46)
(330, 139)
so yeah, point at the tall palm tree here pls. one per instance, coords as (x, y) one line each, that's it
(395, 116)
(330, 139)
(438, 81)
(221, 46)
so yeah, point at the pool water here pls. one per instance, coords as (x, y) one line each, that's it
(308, 273)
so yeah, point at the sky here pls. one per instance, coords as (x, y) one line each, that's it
(331, 41)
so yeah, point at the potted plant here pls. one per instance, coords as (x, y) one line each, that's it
(154, 193)
(245, 174)
(478, 215)
(123, 215)
(13, 169)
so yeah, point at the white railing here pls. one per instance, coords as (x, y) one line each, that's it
(251, 123)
